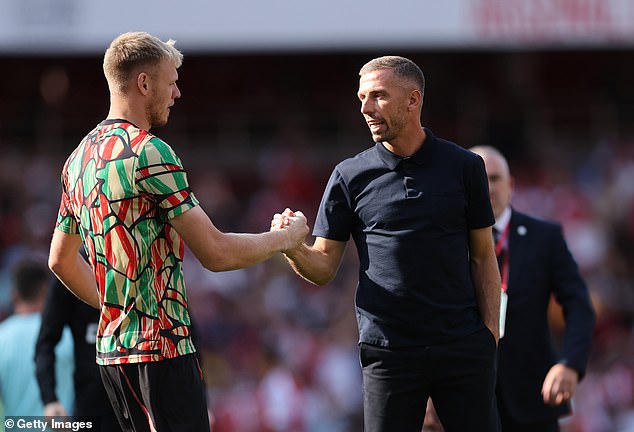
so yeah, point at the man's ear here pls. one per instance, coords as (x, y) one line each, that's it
(142, 80)
(415, 100)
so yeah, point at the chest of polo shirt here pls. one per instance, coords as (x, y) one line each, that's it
(413, 197)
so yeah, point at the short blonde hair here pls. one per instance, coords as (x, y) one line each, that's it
(132, 50)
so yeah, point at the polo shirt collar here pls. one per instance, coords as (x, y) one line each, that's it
(392, 160)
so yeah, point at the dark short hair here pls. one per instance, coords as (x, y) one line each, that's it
(402, 67)
(30, 277)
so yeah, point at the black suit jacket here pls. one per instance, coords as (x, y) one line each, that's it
(540, 265)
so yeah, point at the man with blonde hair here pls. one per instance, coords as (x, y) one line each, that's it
(126, 197)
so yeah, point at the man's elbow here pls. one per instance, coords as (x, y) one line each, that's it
(218, 263)
(55, 264)
(59, 266)
(215, 266)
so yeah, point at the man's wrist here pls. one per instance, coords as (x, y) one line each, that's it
(285, 239)
(293, 252)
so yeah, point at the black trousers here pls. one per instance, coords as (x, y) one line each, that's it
(547, 426)
(163, 396)
(510, 425)
(458, 376)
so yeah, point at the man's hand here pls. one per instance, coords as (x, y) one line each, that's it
(55, 409)
(295, 223)
(560, 384)
(280, 220)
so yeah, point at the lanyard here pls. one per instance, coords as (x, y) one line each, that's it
(502, 245)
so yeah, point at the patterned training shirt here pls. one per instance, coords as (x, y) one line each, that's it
(120, 187)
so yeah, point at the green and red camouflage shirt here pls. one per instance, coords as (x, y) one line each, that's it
(120, 187)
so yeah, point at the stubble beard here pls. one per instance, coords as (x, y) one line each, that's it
(392, 130)
(155, 117)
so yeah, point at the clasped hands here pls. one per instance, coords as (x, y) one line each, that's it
(294, 222)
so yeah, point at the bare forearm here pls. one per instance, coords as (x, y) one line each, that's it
(240, 250)
(318, 263)
(311, 264)
(218, 251)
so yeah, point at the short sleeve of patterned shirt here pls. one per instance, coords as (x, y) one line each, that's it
(120, 187)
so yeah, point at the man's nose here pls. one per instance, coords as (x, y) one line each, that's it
(367, 107)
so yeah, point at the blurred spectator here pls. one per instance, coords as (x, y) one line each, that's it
(19, 390)
(535, 385)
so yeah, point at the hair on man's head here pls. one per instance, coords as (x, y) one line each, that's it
(401, 66)
(30, 278)
(133, 50)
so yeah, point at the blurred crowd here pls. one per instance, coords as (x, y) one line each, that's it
(279, 354)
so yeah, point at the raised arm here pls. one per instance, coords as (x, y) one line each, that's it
(218, 251)
(317, 263)
(486, 277)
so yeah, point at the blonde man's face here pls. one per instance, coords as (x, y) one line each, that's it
(162, 93)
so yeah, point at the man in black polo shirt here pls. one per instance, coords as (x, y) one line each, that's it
(427, 303)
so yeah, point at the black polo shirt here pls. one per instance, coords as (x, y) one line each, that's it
(410, 219)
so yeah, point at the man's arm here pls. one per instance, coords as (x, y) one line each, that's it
(71, 268)
(571, 292)
(318, 263)
(218, 251)
(54, 316)
(486, 277)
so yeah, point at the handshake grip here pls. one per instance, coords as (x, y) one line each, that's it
(294, 222)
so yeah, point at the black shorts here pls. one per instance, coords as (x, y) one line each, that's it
(161, 396)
